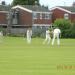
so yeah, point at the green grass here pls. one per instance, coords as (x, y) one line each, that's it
(19, 58)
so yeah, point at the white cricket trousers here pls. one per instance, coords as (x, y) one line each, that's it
(47, 40)
(28, 39)
(56, 36)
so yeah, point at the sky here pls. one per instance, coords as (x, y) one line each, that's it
(50, 3)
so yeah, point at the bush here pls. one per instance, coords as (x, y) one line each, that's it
(65, 26)
(72, 30)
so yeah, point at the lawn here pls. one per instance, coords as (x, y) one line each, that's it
(19, 58)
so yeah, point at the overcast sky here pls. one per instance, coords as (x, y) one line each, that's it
(50, 3)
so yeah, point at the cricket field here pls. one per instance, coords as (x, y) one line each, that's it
(19, 58)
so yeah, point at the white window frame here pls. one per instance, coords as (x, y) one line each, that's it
(47, 16)
(66, 16)
(40, 15)
(34, 15)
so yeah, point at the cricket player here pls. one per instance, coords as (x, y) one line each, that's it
(29, 34)
(1, 36)
(48, 38)
(56, 35)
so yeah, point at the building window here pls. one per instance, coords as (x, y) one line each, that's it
(66, 16)
(40, 15)
(47, 16)
(43, 16)
(34, 15)
(15, 17)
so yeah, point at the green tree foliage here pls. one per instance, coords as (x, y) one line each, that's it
(72, 30)
(25, 2)
(65, 26)
(62, 23)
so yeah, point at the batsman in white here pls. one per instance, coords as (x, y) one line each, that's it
(48, 38)
(1, 36)
(29, 34)
(56, 35)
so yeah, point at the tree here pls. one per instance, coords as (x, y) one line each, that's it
(64, 25)
(72, 30)
(3, 3)
(25, 2)
(73, 4)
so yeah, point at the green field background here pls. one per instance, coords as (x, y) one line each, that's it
(19, 58)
